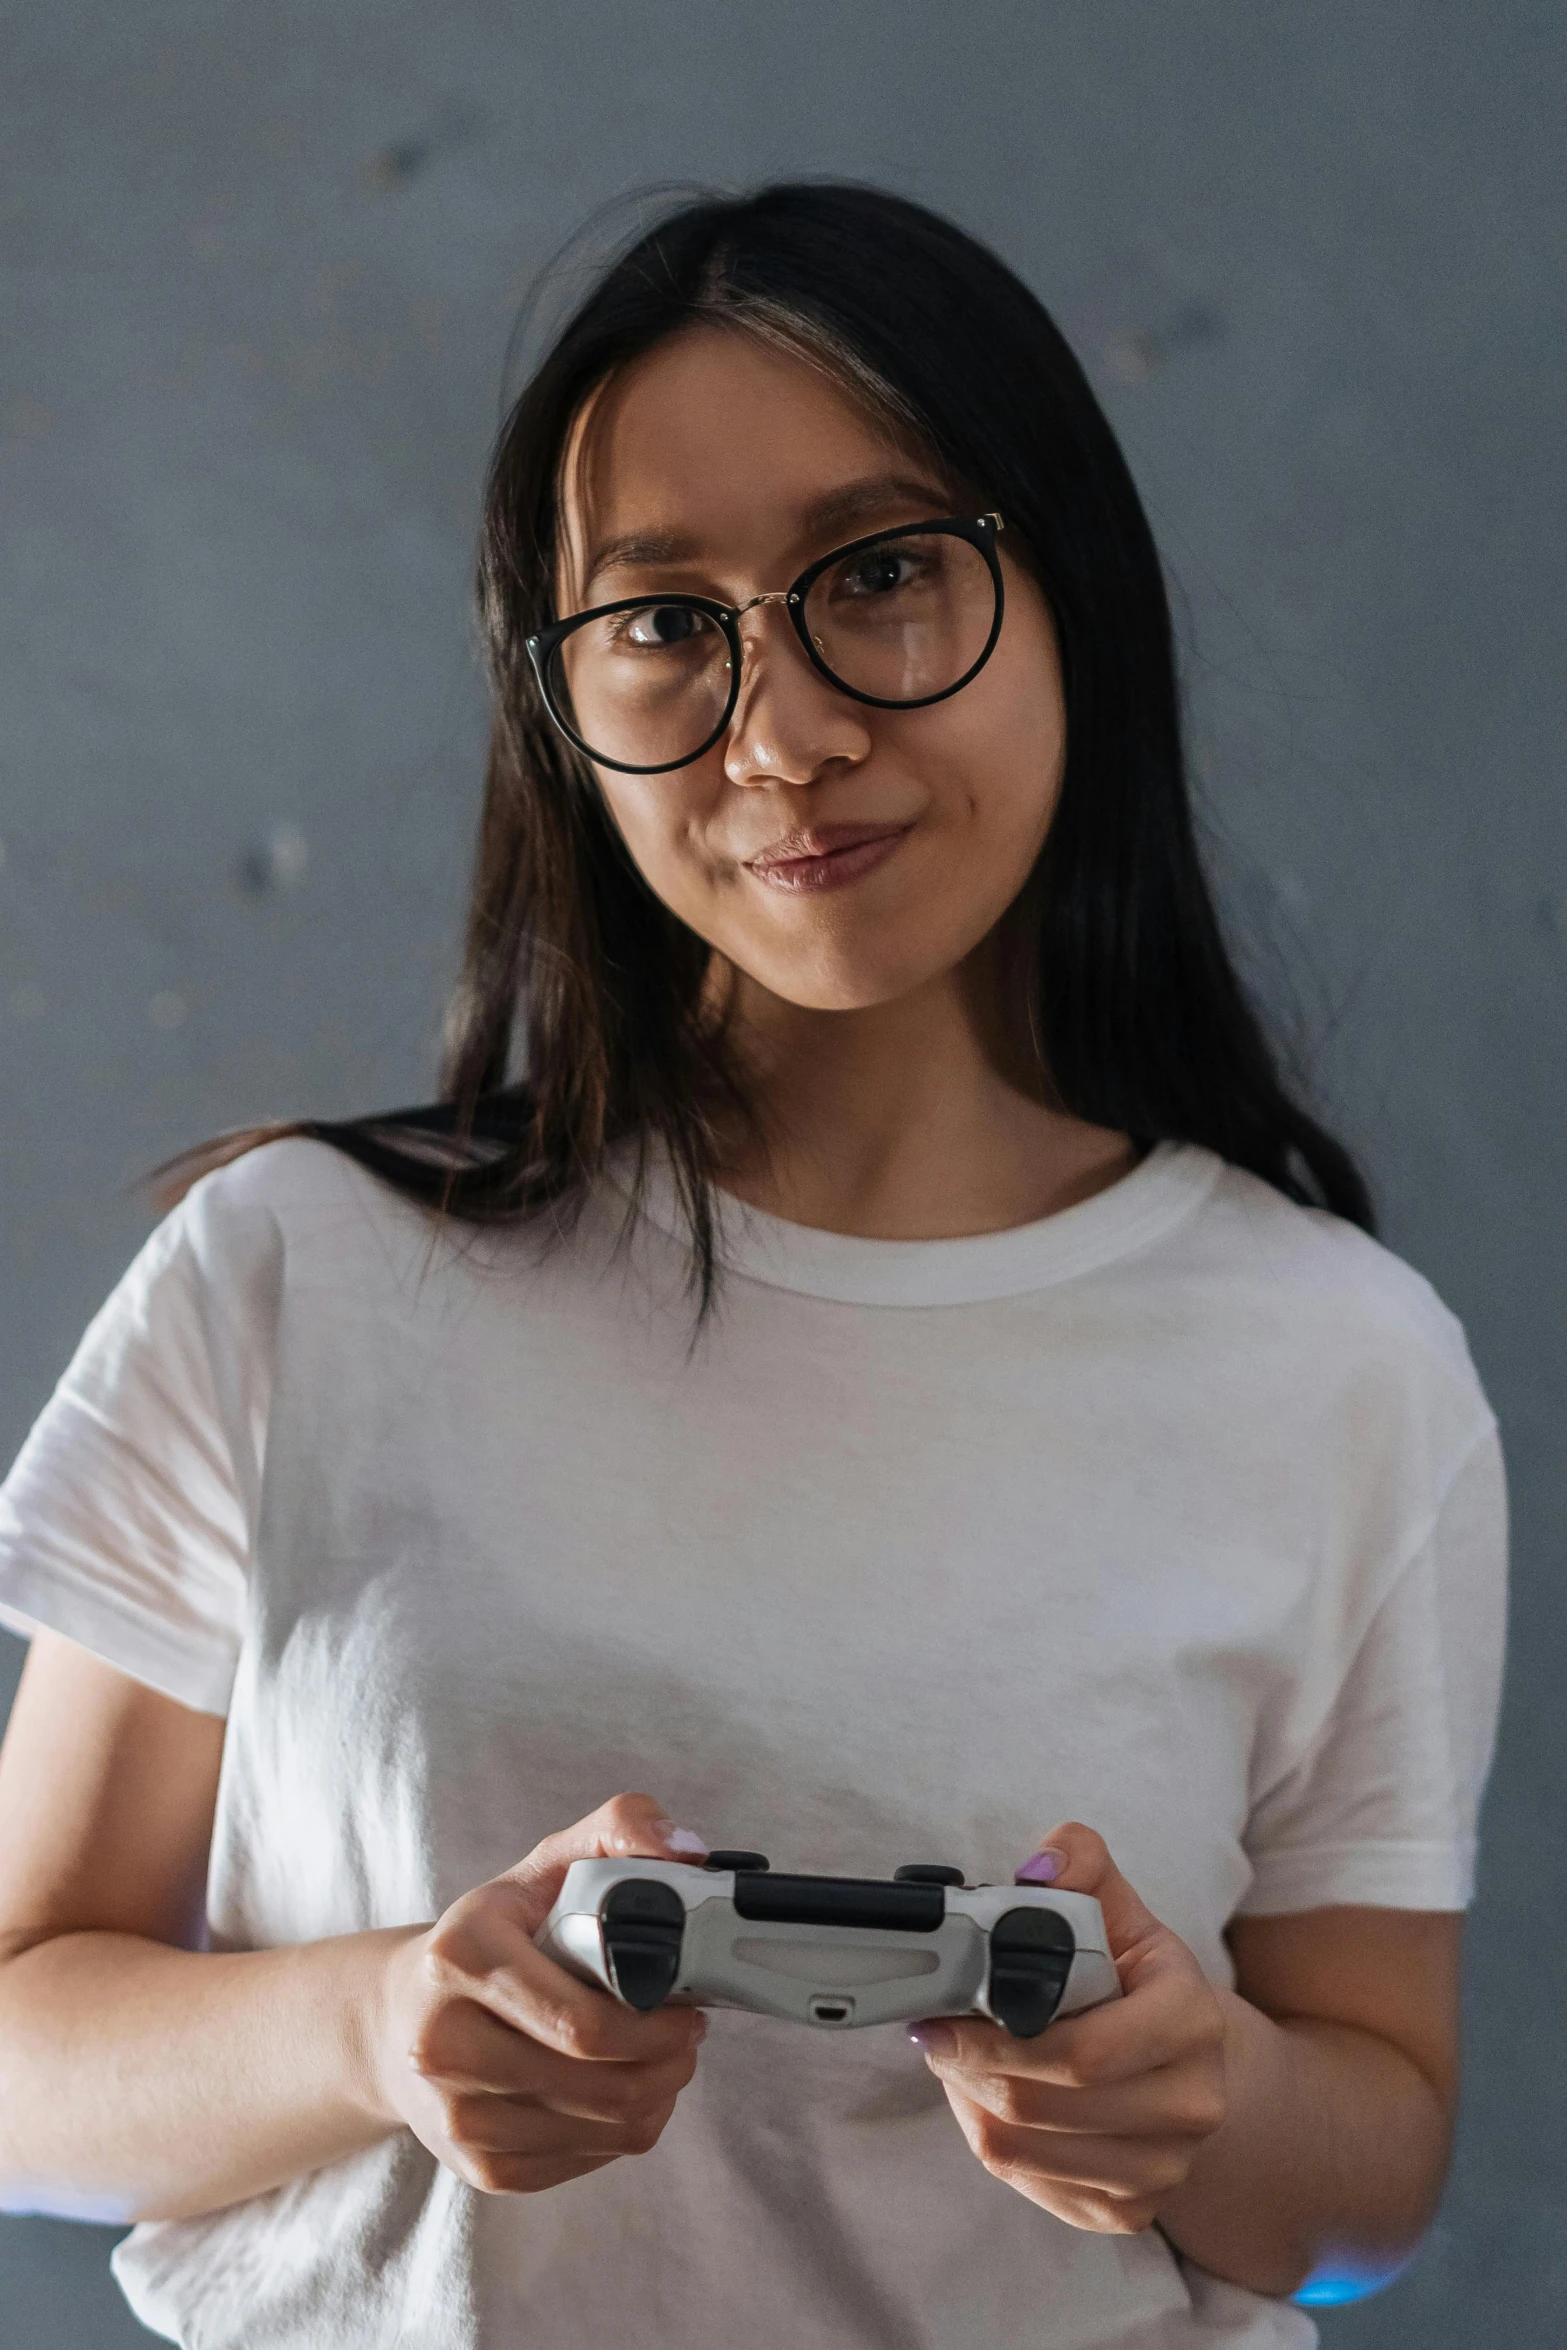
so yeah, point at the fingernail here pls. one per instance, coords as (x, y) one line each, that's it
(682, 1839)
(699, 2028)
(1043, 1869)
(935, 2039)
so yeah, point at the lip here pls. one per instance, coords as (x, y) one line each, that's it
(826, 856)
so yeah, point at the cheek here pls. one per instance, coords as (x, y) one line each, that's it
(665, 842)
(1003, 760)
(1028, 772)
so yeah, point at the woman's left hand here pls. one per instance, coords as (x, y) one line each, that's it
(1102, 2117)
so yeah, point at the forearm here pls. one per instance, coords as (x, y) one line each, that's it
(1333, 2147)
(144, 2082)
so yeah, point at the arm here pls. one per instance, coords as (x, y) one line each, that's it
(141, 2078)
(1300, 2120)
(1341, 2064)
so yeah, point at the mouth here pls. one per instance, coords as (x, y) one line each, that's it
(826, 856)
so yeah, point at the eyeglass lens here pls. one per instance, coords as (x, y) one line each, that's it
(900, 620)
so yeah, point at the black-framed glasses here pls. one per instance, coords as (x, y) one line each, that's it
(899, 619)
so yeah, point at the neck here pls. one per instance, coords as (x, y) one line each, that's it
(904, 1120)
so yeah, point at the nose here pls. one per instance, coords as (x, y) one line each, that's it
(789, 724)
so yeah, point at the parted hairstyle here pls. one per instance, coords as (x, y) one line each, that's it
(580, 1021)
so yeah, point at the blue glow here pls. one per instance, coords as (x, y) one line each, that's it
(1328, 2292)
(1331, 2288)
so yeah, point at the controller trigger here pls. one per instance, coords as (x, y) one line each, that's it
(1031, 1953)
(643, 1923)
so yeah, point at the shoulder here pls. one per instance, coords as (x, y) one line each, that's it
(299, 1217)
(1336, 1308)
(288, 1215)
(1322, 1266)
(294, 1190)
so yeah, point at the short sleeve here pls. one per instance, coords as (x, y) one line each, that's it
(1382, 1809)
(125, 1521)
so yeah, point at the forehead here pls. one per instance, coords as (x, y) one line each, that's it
(718, 443)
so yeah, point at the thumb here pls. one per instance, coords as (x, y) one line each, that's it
(1078, 1860)
(627, 1827)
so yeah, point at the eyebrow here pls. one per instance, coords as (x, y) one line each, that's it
(841, 509)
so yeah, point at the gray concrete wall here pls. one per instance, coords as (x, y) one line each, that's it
(259, 266)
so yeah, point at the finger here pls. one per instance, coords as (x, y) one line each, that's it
(540, 1999)
(1080, 1862)
(526, 2174)
(1167, 2015)
(1181, 2101)
(554, 2153)
(513, 2125)
(613, 2092)
(1110, 2166)
(468, 2050)
(627, 1827)
(480, 1955)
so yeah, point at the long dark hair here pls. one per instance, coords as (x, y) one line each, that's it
(580, 1020)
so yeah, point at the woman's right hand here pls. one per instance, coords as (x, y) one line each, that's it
(514, 2074)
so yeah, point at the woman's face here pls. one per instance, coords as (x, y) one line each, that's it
(717, 465)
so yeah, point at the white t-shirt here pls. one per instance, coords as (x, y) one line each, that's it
(1180, 1513)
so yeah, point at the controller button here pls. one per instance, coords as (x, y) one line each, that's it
(744, 1863)
(643, 1922)
(927, 1872)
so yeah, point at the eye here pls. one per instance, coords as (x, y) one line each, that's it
(880, 571)
(656, 627)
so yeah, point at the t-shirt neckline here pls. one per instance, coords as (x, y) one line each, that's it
(1158, 1193)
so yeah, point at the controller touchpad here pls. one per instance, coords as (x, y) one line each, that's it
(817, 1962)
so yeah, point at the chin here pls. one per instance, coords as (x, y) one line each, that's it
(844, 991)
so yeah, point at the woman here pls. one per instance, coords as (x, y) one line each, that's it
(867, 1350)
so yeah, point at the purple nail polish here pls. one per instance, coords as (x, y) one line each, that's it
(935, 2039)
(686, 1840)
(1043, 1869)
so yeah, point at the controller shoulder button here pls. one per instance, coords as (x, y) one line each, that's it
(927, 1872)
(743, 1863)
(1032, 1929)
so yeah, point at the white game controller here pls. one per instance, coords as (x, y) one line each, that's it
(836, 1951)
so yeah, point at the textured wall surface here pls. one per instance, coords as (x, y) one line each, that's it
(258, 269)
